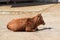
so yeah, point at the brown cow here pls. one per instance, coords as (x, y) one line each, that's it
(26, 24)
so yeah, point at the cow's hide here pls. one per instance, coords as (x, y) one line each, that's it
(26, 24)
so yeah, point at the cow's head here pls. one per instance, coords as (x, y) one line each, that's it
(40, 19)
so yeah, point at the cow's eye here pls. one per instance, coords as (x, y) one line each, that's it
(38, 16)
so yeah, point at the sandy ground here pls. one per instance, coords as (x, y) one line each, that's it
(51, 17)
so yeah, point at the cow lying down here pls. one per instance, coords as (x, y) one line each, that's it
(26, 24)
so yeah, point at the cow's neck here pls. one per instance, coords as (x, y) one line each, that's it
(35, 20)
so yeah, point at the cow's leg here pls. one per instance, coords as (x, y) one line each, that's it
(29, 29)
(36, 29)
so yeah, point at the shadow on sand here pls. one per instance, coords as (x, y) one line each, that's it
(23, 4)
(29, 4)
(49, 28)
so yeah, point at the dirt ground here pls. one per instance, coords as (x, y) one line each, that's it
(50, 31)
